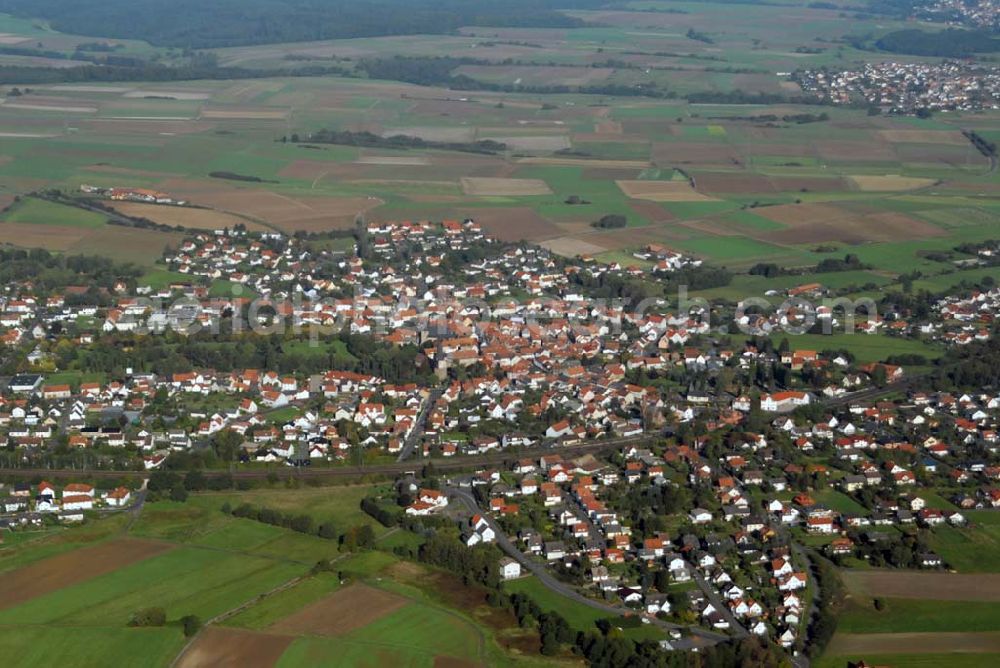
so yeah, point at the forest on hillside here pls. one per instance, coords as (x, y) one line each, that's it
(220, 23)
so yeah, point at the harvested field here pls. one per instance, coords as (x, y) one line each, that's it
(486, 187)
(800, 214)
(75, 88)
(813, 223)
(25, 135)
(571, 247)
(863, 644)
(586, 162)
(188, 217)
(40, 106)
(308, 170)
(8, 39)
(717, 182)
(125, 244)
(290, 213)
(50, 237)
(924, 585)
(536, 74)
(662, 191)
(890, 182)
(511, 223)
(452, 662)
(73, 568)
(668, 154)
(652, 211)
(218, 647)
(923, 136)
(340, 613)
(855, 150)
(808, 183)
(804, 150)
(955, 155)
(146, 126)
(246, 114)
(393, 160)
(632, 237)
(127, 171)
(608, 128)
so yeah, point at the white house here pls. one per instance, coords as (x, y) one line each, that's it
(509, 569)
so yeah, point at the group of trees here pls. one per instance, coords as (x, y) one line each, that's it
(50, 272)
(975, 366)
(157, 616)
(301, 523)
(175, 353)
(368, 139)
(382, 515)
(831, 595)
(441, 71)
(610, 221)
(849, 262)
(950, 43)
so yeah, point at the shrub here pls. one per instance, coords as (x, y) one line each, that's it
(148, 617)
(191, 625)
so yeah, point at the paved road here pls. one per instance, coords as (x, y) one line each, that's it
(805, 554)
(699, 637)
(413, 439)
(713, 596)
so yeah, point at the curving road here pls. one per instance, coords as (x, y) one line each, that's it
(698, 637)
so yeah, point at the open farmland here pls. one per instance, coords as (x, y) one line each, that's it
(937, 586)
(678, 145)
(150, 135)
(662, 191)
(504, 187)
(187, 217)
(73, 568)
(234, 648)
(915, 643)
(342, 612)
(191, 559)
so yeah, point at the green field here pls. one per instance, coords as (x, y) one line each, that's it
(277, 607)
(186, 580)
(341, 505)
(971, 549)
(579, 616)
(42, 212)
(916, 616)
(865, 347)
(953, 660)
(29, 646)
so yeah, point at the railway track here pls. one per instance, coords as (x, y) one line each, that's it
(389, 469)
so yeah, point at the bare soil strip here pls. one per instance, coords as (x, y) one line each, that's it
(219, 647)
(73, 568)
(340, 613)
(863, 644)
(920, 585)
